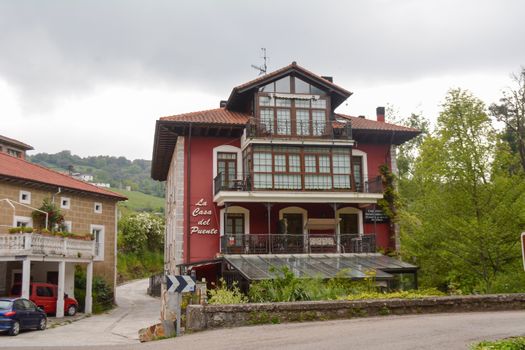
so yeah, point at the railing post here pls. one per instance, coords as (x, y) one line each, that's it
(28, 237)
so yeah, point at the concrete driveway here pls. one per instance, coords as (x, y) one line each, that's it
(120, 326)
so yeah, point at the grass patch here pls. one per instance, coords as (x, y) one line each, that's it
(138, 201)
(517, 343)
(131, 266)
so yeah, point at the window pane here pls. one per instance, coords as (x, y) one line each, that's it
(316, 91)
(267, 88)
(324, 164)
(318, 122)
(283, 102)
(262, 162)
(341, 164)
(262, 180)
(303, 122)
(265, 101)
(282, 85)
(280, 162)
(301, 87)
(319, 103)
(309, 164)
(302, 103)
(287, 181)
(283, 121)
(318, 182)
(294, 163)
(341, 181)
(267, 119)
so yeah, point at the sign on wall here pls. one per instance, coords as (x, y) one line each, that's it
(201, 219)
(375, 215)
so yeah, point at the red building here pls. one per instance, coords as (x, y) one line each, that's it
(276, 177)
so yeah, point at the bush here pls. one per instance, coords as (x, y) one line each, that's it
(141, 232)
(132, 266)
(102, 294)
(406, 294)
(21, 229)
(224, 295)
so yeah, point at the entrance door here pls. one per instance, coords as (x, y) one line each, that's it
(227, 167)
(349, 224)
(235, 232)
(294, 228)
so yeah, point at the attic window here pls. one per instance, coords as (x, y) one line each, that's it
(281, 85)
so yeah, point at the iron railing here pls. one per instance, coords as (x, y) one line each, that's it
(296, 182)
(298, 129)
(297, 244)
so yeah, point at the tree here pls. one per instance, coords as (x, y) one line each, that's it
(511, 111)
(462, 226)
(141, 232)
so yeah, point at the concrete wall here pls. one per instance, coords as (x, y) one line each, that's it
(199, 317)
(81, 214)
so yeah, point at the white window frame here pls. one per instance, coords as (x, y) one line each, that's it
(68, 203)
(295, 210)
(364, 162)
(25, 219)
(350, 210)
(236, 210)
(99, 211)
(101, 247)
(27, 194)
(227, 149)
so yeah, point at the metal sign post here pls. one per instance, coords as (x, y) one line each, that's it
(176, 285)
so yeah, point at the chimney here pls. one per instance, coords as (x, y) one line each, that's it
(380, 111)
(223, 103)
(362, 117)
(330, 79)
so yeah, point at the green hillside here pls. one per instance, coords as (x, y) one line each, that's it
(138, 201)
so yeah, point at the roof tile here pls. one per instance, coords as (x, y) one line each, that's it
(21, 169)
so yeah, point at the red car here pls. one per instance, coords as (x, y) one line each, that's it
(44, 295)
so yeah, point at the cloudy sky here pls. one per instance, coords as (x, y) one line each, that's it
(93, 76)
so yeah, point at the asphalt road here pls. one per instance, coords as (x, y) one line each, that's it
(120, 326)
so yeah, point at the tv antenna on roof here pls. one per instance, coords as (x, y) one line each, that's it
(262, 69)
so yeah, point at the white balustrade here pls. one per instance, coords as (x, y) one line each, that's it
(37, 244)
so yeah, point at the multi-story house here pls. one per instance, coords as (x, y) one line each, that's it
(13, 147)
(89, 212)
(275, 177)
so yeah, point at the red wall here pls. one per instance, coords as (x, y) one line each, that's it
(206, 246)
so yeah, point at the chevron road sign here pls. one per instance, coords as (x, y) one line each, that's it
(179, 284)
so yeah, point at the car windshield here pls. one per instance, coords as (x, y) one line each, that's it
(5, 304)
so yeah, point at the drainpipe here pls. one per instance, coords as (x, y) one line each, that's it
(59, 191)
(188, 202)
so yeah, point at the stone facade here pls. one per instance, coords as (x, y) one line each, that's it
(174, 248)
(199, 317)
(81, 214)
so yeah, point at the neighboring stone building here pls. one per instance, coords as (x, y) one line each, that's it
(87, 210)
(14, 147)
(276, 177)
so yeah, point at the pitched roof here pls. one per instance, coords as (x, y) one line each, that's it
(369, 124)
(8, 140)
(211, 116)
(20, 169)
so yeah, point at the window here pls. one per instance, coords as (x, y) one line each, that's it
(65, 202)
(235, 229)
(44, 291)
(25, 197)
(227, 167)
(98, 237)
(98, 208)
(14, 153)
(358, 173)
(22, 221)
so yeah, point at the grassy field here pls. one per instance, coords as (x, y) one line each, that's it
(138, 201)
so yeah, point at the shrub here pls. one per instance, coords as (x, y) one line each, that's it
(54, 215)
(224, 295)
(406, 294)
(141, 232)
(132, 266)
(102, 294)
(517, 343)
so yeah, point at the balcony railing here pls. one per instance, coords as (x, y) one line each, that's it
(37, 244)
(298, 130)
(296, 182)
(297, 244)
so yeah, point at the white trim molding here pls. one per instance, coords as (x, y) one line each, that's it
(101, 241)
(363, 155)
(227, 149)
(351, 210)
(295, 210)
(23, 219)
(235, 210)
(295, 197)
(27, 199)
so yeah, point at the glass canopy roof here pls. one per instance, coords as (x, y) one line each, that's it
(356, 266)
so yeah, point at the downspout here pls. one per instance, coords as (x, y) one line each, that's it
(188, 202)
(59, 191)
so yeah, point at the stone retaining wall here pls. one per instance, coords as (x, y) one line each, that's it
(200, 317)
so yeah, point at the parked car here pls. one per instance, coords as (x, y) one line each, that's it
(19, 313)
(44, 295)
